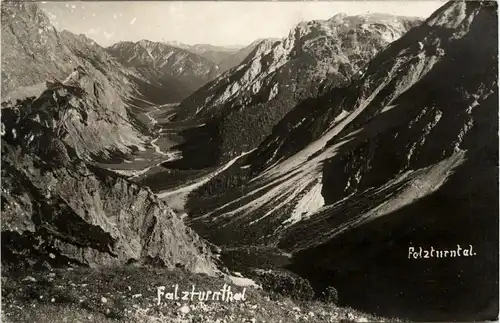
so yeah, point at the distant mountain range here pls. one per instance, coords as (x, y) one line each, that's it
(216, 54)
(174, 69)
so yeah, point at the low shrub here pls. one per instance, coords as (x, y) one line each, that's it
(330, 295)
(286, 284)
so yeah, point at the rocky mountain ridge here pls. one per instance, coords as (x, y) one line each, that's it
(404, 65)
(405, 156)
(278, 75)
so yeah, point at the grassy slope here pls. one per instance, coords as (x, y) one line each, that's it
(76, 296)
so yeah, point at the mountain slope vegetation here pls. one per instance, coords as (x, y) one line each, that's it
(405, 156)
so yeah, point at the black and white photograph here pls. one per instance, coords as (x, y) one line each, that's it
(249, 161)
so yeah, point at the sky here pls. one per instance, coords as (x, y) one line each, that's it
(220, 23)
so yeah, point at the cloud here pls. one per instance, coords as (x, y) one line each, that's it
(108, 35)
(93, 31)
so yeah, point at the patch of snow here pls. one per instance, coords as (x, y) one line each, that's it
(298, 124)
(242, 281)
(151, 119)
(463, 131)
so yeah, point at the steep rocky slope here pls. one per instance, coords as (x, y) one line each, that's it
(406, 156)
(57, 207)
(277, 75)
(34, 52)
(35, 56)
(238, 57)
(75, 215)
(225, 57)
(178, 70)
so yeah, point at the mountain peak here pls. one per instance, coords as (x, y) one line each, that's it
(146, 43)
(338, 17)
(451, 15)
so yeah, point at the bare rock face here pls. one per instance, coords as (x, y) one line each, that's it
(86, 116)
(29, 40)
(34, 52)
(278, 74)
(331, 49)
(243, 54)
(88, 218)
